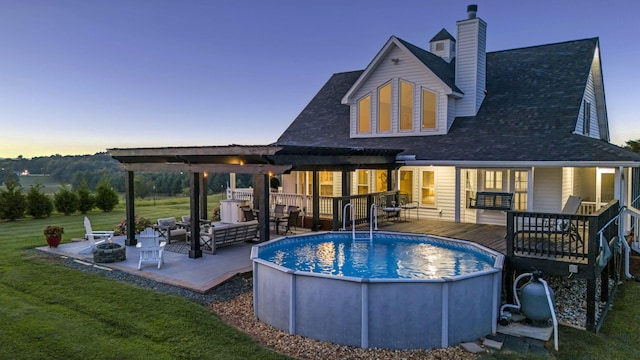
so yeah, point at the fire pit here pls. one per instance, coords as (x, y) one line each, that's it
(109, 252)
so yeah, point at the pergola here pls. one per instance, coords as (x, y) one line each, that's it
(262, 161)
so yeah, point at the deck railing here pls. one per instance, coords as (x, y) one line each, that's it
(562, 245)
(361, 206)
(303, 202)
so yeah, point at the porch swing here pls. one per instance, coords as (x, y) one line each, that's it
(492, 201)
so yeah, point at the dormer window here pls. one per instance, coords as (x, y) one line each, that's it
(406, 106)
(396, 107)
(384, 108)
(586, 118)
(428, 110)
(364, 114)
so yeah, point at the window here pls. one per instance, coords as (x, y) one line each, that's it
(364, 114)
(586, 118)
(406, 106)
(521, 186)
(428, 110)
(381, 180)
(384, 108)
(493, 180)
(406, 182)
(326, 183)
(428, 188)
(439, 46)
(362, 177)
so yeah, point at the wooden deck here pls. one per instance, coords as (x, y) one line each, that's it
(491, 236)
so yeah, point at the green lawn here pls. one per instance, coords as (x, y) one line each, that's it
(50, 311)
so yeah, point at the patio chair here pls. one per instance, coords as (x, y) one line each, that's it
(291, 222)
(279, 216)
(169, 230)
(94, 237)
(248, 213)
(151, 248)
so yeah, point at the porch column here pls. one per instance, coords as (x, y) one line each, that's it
(194, 193)
(390, 177)
(261, 193)
(129, 210)
(204, 214)
(346, 183)
(316, 201)
(456, 208)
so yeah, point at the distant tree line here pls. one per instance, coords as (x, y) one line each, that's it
(92, 169)
(14, 204)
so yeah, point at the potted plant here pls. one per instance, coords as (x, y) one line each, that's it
(53, 235)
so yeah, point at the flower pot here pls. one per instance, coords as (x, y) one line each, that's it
(53, 240)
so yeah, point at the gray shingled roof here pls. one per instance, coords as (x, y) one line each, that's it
(529, 114)
(442, 69)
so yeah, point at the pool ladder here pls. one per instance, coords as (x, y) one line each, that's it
(373, 223)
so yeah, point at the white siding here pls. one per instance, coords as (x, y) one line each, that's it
(547, 190)
(567, 183)
(447, 53)
(409, 69)
(471, 65)
(589, 96)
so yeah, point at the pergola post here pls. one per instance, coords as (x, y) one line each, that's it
(261, 193)
(204, 213)
(195, 251)
(316, 201)
(129, 210)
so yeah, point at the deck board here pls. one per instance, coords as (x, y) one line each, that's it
(491, 236)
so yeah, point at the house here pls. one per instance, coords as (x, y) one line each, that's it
(530, 121)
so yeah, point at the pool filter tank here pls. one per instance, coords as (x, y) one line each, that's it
(535, 305)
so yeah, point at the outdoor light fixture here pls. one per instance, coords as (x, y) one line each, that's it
(395, 61)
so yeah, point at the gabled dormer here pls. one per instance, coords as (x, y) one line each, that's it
(408, 91)
(592, 119)
(405, 91)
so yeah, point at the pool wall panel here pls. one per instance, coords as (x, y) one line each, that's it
(273, 291)
(394, 321)
(328, 309)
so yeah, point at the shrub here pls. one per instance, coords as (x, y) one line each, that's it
(106, 197)
(140, 223)
(66, 201)
(86, 200)
(39, 205)
(12, 202)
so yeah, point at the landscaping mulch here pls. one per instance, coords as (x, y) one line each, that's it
(238, 312)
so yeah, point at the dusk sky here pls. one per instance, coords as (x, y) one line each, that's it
(79, 77)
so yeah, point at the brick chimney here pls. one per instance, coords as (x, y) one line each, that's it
(471, 62)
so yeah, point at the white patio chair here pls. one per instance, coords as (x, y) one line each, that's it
(94, 237)
(151, 248)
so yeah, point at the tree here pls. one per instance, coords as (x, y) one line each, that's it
(66, 201)
(106, 197)
(39, 205)
(12, 202)
(633, 145)
(86, 201)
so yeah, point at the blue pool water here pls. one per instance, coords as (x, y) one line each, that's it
(387, 256)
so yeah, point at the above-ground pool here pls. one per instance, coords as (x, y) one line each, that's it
(398, 290)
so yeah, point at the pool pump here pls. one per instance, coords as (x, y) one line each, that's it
(537, 302)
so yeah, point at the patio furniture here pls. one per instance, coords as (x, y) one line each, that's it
(486, 200)
(151, 248)
(407, 205)
(169, 230)
(248, 213)
(291, 222)
(94, 237)
(232, 234)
